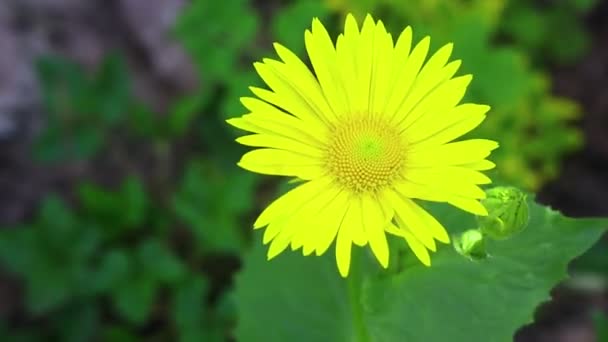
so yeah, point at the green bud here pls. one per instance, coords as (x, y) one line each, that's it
(470, 244)
(507, 212)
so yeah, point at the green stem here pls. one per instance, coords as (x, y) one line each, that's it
(354, 290)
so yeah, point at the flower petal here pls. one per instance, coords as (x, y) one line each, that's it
(329, 222)
(280, 143)
(456, 153)
(416, 246)
(300, 220)
(374, 223)
(471, 205)
(444, 96)
(343, 250)
(407, 217)
(282, 163)
(289, 202)
(268, 119)
(354, 222)
(323, 59)
(407, 73)
(454, 124)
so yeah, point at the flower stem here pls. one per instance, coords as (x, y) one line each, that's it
(354, 290)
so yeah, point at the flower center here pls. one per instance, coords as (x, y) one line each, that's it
(365, 154)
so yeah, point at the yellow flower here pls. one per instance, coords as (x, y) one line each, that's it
(369, 132)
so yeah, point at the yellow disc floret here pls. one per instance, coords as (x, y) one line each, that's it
(365, 154)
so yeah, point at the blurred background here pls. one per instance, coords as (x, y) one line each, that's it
(123, 216)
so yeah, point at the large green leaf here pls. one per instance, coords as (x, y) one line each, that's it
(295, 298)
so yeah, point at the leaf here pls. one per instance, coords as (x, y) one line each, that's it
(210, 201)
(296, 298)
(135, 201)
(111, 85)
(204, 25)
(114, 268)
(182, 113)
(158, 261)
(189, 308)
(134, 298)
(88, 323)
(81, 107)
(119, 210)
(601, 326)
(118, 333)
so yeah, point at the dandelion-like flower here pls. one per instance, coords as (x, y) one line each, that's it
(369, 133)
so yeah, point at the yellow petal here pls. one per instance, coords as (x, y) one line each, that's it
(409, 189)
(471, 205)
(407, 73)
(299, 222)
(289, 94)
(440, 179)
(407, 217)
(329, 221)
(282, 163)
(382, 69)
(374, 223)
(312, 216)
(364, 65)
(290, 201)
(268, 119)
(456, 153)
(294, 69)
(282, 240)
(416, 246)
(354, 222)
(281, 143)
(323, 59)
(343, 250)
(481, 165)
(442, 98)
(403, 46)
(436, 229)
(458, 173)
(457, 122)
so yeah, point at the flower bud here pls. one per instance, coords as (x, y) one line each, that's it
(507, 212)
(471, 244)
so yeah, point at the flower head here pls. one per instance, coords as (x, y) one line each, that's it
(370, 132)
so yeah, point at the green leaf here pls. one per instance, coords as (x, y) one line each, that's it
(81, 107)
(135, 201)
(111, 86)
(114, 268)
(601, 326)
(86, 315)
(189, 309)
(134, 298)
(182, 113)
(158, 261)
(296, 298)
(143, 121)
(118, 210)
(210, 202)
(116, 333)
(203, 25)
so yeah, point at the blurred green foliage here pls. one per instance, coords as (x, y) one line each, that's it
(601, 327)
(81, 108)
(148, 251)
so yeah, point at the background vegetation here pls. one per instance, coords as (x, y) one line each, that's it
(144, 244)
